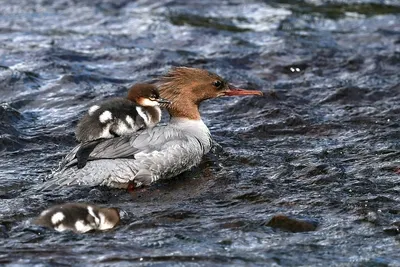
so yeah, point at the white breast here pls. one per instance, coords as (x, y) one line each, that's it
(195, 128)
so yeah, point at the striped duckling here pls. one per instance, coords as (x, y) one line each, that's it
(79, 218)
(122, 116)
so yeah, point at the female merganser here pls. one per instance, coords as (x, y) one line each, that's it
(80, 218)
(158, 153)
(122, 116)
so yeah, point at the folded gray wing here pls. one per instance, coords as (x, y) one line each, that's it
(119, 147)
(127, 146)
(123, 149)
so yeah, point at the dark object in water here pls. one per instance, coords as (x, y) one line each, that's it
(291, 224)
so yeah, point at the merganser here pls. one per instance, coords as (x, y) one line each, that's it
(158, 153)
(80, 218)
(122, 116)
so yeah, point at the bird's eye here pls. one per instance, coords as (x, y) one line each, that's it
(153, 97)
(217, 84)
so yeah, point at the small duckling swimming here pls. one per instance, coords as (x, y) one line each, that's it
(122, 116)
(79, 218)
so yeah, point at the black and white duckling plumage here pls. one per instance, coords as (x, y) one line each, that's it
(122, 116)
(79, 218)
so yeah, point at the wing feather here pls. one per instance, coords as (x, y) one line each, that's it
(121, 147)
(166, 150)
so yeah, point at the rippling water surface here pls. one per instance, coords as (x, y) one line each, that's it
(321, 145)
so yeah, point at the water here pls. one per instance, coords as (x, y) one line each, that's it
(322, 144)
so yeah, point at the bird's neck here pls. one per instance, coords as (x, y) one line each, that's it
(184, 103)
(185, 109)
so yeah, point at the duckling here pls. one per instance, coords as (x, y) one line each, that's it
(79, 218)
(122, 116)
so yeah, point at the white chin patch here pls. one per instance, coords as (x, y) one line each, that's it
(106, 116)
(148, 103)
(57, 217)
(92, 109)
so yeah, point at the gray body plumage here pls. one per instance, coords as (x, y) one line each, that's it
(144, 157)
(115, 117)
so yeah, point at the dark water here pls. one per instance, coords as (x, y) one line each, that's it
(322, 144)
